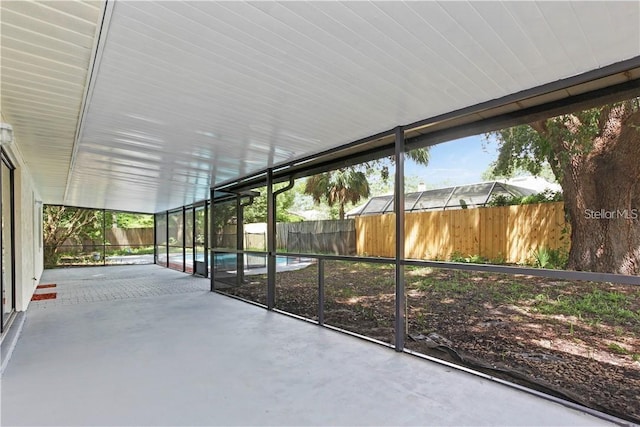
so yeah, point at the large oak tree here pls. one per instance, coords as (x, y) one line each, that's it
(595, 156)
(62, 224)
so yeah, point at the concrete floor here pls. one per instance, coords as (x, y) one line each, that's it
(176, 354)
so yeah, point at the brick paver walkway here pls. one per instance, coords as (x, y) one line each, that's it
(93, 284)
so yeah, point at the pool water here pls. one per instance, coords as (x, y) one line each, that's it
(249, 260)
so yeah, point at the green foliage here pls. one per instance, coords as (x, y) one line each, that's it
(499, 259)
(381, 166)
(523, 148)
(380, 187)
(257, 211)
(224, 213)
(490, 174)
(596, 305)
(553, 142)
(66, 224)
(447, 286)
(550, 258)
(473, 259)
(545, 196)
(350, 184)
(130, 220)
(618, 349)
(567, 143)
(131, 251)
(339, 187)
(503, 200)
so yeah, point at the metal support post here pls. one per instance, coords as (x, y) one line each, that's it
(271, 243)
(155, 239)
(320, 291)
(206, 237)
(400, 327)
(239, 240)
(104, 237)
(166, 215)
(184, 239)
(211, 254)
(193, 239)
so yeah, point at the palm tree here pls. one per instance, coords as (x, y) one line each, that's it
(338, 187)
(350, 184)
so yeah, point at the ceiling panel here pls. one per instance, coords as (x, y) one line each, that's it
(46, 52)
(187, 94)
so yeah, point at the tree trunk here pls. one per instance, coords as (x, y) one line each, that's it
(602, 198)
(51, 256)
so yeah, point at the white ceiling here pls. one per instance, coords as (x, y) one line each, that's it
(45, 52)
(185, 94)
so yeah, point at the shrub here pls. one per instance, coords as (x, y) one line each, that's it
(550, 258)
(474, 259)
(546, 196)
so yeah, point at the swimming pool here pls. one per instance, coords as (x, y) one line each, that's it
(223, 260)
(257, 263)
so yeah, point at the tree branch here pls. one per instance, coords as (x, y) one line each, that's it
(604, 118)
(540, 126)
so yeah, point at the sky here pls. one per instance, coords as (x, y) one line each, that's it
(457, 162)
(461, 161)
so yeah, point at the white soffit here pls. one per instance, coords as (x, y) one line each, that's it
(192, 93)
(45, 56)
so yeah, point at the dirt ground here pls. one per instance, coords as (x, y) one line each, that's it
(576, 340)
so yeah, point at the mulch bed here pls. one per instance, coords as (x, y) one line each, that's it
(511, 327)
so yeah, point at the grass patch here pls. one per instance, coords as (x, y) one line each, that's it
(130, 251)
(445, 286)
(471, 259)
(597, 305)
(510, 292)
(618, 349)
(367, 266)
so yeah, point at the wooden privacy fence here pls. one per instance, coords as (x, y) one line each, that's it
(123, 237)
(508, 233)
(323, 236)
(129, 236)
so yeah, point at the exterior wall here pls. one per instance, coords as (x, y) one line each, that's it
(28, 232)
